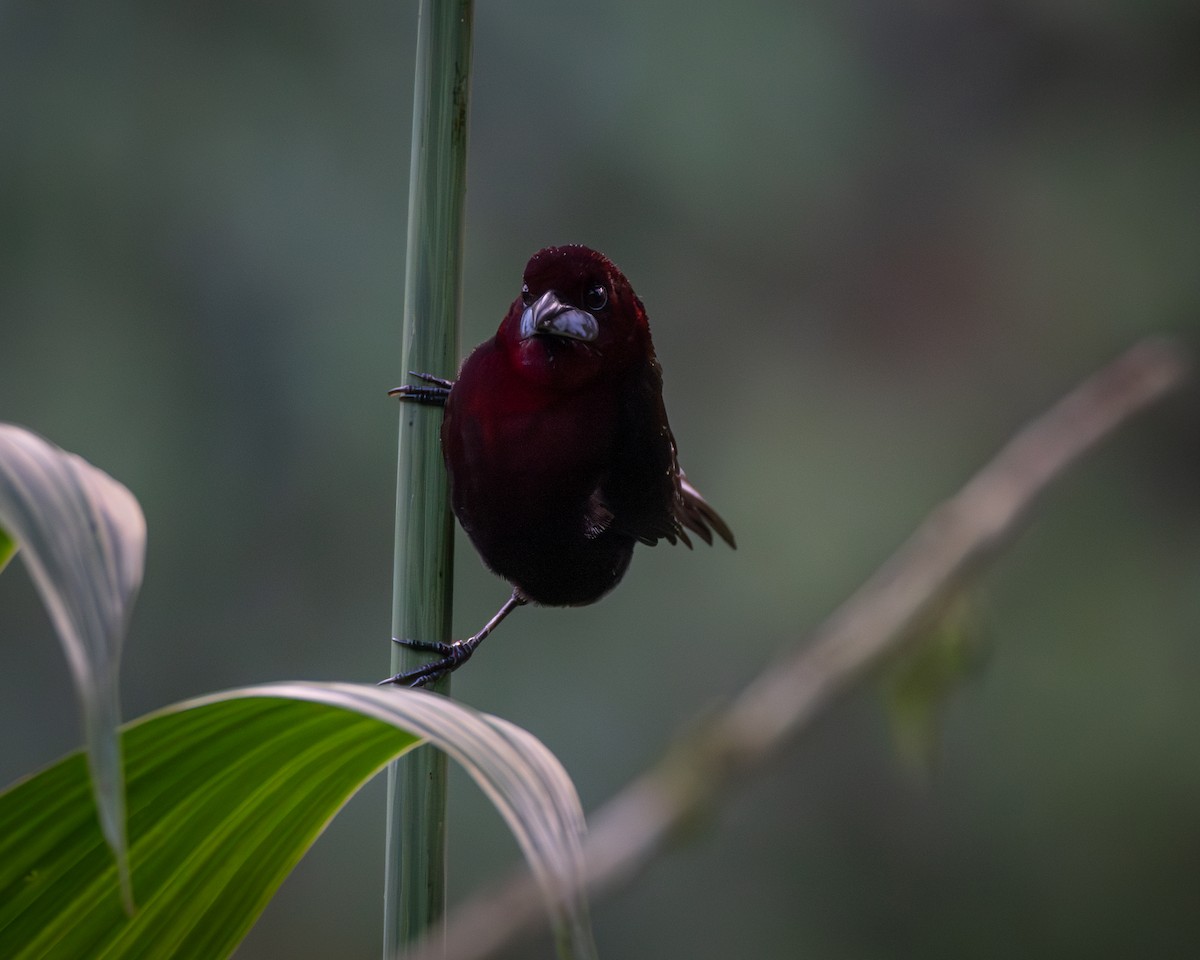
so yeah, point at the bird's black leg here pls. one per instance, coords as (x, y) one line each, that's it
(452, 655)
(434, 391)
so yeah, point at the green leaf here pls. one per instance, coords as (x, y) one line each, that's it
(925, 675)
(84, 540)
(225, 794)
(8, 548)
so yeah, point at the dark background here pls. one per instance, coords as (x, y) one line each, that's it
(873, 238)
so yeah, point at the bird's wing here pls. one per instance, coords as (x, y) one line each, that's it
(640, 489)
(646, 494)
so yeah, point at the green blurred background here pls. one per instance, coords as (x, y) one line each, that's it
(872, 237)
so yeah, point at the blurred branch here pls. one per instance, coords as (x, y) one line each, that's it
(951, 543)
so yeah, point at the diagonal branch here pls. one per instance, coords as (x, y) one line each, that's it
(952, 542)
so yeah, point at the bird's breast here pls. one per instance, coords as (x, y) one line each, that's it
(528, 454)
(523, 465)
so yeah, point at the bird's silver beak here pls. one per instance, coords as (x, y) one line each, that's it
(547, 314)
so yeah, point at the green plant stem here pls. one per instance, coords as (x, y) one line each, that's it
(415, 872)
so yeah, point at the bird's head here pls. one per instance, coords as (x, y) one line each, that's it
(575, 317)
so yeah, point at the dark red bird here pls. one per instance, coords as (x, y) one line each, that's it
(557, 444)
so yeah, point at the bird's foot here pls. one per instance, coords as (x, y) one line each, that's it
(433, 391)
(451, 656)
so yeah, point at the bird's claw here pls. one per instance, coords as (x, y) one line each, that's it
(434, 391)
(453, 656)
(425, 646)
(430, 378)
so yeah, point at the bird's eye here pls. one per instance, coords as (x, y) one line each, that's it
(526, 296)
(596, 298)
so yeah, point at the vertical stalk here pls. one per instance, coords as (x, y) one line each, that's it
(414, 888)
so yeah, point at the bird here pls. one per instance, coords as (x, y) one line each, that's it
(557, 447)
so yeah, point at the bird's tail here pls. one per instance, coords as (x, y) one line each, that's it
(699, 517)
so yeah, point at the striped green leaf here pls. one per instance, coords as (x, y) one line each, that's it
(225, 794)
